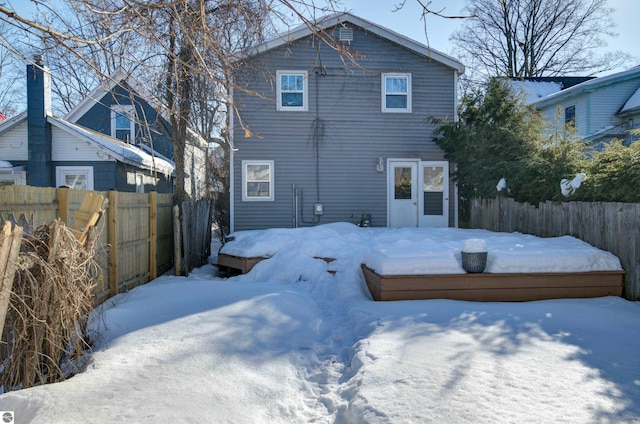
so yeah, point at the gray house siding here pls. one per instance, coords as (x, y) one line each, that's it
(345, 107)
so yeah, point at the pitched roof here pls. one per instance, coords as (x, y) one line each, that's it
(111, 82)
(122, 152)
(105, 87)
(340, 18)
(588, 86)
(535, 88)
(12, 122)
(632, 105)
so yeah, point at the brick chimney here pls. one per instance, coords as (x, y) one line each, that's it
(40, 168)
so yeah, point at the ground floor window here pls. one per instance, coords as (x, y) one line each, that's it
(13, 178)
(75, 177)
(257, 180)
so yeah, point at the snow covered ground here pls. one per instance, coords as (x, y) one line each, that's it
(292, 343)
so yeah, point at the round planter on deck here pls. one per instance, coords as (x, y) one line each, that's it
(474, 255)
(474, 262)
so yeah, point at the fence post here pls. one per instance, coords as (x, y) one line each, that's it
(153, 234)
(177, 240)
(112, 240)
(63, 205)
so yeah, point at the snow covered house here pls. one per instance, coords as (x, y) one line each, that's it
(600, 108)
(327, 140)
(39, 149)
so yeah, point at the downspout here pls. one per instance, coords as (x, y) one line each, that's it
(455, 183)
(316, 134)
(231, 164)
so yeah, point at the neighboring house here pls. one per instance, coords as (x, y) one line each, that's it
(39, 149)
(534, 88)
(122, 108)
(326, 140)
(601, 109)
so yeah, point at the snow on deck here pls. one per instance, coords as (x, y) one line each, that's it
(417, 251)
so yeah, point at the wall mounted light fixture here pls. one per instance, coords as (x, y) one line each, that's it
(380, 165)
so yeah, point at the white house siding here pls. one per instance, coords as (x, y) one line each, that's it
(195, 160)
(356, 132)
(14, 144)
(65, 147)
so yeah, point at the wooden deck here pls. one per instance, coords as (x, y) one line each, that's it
(486, 287)
(238, 263)
(483, 287)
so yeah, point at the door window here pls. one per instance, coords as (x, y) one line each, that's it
(403, 180)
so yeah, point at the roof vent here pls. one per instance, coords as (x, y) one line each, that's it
(346, 34)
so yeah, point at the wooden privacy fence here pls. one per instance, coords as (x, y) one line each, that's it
(196, 232)
(135, 231)
(614, 227)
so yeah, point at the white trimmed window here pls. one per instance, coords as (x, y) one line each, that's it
(257, 180)
(396, 93)
(13, 178)
(123, 123)
(139, 183)
(75, 177)
(292, 89)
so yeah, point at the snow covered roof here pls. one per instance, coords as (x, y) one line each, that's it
(535, 90)
(123, 152)
(332, 20)
(587, 86)
(632, 104)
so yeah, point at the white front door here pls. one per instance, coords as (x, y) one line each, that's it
(402, 193)
(434, 194)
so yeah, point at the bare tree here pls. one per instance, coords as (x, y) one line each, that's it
(10, 75)
(529, 38)
(187, 50)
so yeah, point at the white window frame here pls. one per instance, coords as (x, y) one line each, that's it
(62, 171)
(245, 195)
(386, 109)
(305, 91)
(124, 110)
(16, 177)
(139, 182)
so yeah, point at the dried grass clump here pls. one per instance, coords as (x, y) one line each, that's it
(45, 333)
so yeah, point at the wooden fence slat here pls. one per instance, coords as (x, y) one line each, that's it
(113, 243)
(10, 241)
(124, 237)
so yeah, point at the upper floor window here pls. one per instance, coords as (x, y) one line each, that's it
(396, 93)
(292, 90)
(123, 123)
(570, 115)
(257, 180)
